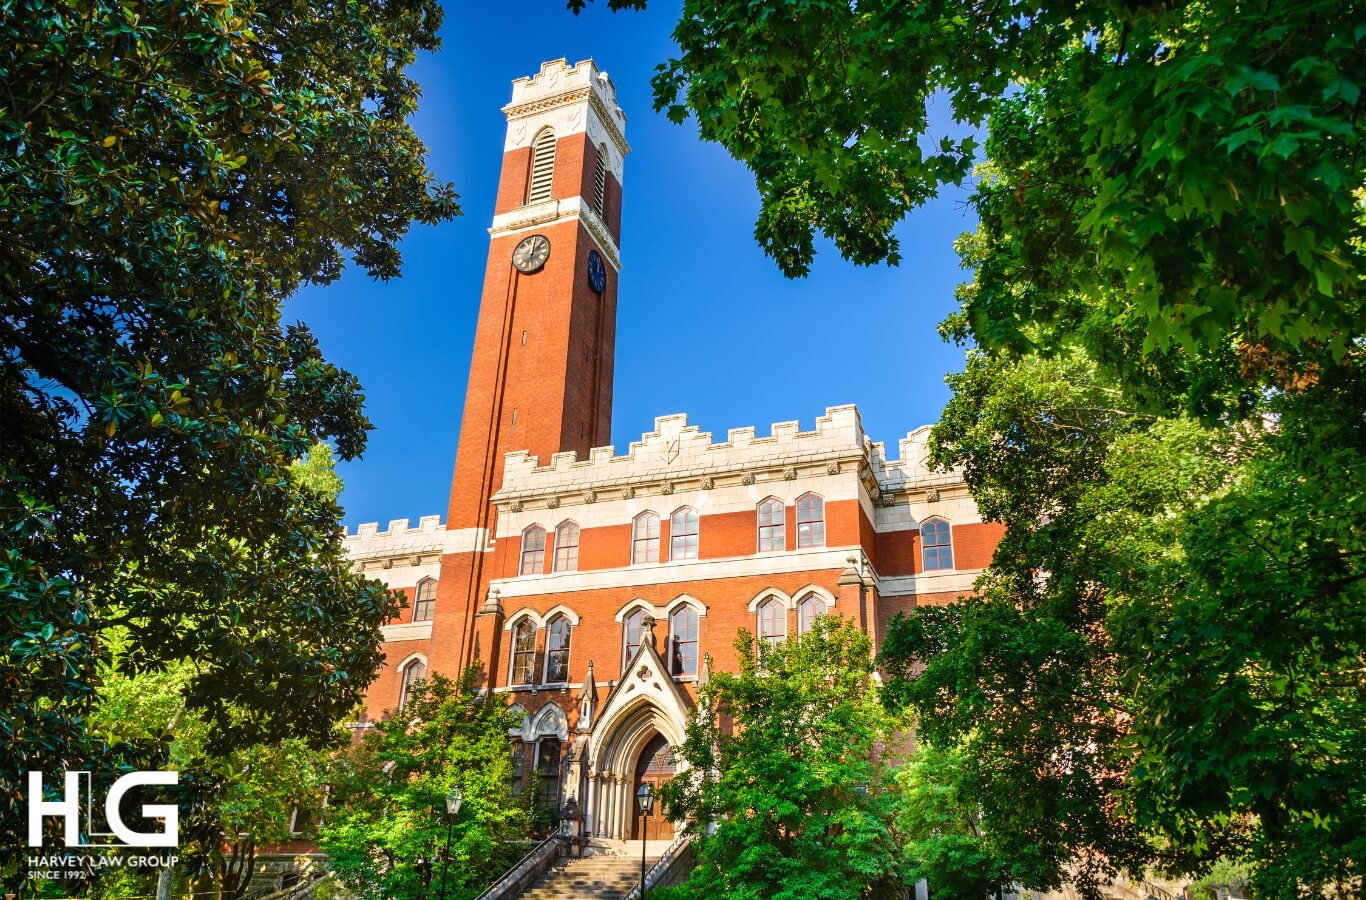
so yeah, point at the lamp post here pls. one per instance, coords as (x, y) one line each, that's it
(453, 801)
(645, 796)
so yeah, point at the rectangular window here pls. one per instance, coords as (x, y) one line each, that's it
(645, 543)
(772, 526)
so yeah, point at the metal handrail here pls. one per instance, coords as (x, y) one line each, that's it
(510, 873)
(662, 864)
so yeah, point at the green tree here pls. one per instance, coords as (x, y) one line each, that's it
(386, 827)
(169, 172)
(1164, 660)
(783, 787)
(940, 830)
(1190, 172)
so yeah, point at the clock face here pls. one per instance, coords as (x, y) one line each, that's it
(531, 253)
(597, 272)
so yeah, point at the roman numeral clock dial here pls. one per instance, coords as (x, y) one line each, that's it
(531, 253)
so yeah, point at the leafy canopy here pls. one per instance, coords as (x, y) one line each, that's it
(386, 828)
(169, 172)
(780, 758)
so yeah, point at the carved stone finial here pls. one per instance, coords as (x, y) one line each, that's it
(647, 629)
(493, 606)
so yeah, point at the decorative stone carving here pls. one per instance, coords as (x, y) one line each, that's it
(933, 495)
(553, 503)
(416, 560)
(515, 506)
(708, 483)
(790, 473)
(590, 497)
(667, 488)
(886, 498)
(643, 673)
(628, 493)
(747, 478)
(832, 469)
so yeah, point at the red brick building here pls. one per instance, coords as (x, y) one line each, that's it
(596, 589)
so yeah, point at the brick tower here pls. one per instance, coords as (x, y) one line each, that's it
(541, 373)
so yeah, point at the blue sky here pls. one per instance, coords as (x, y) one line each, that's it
(707, 325)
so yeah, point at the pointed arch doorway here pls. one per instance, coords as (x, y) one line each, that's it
(654, 767)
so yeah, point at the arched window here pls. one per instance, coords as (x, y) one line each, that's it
(645, 538)
(424, 600)
(808, 608)
(600, 178)
(542, 166)
(548, 772)
(557, 650)
(772, 621)
(937, 542)
(771, 525)
(412, 673)
(533, 551)
(566, 547)
(517, 752)
(523, 651)
(683, 641)
(630, 633)
(811, 521)
(683, 534)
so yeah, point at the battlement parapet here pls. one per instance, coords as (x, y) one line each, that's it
(399, 539)
(677, 451)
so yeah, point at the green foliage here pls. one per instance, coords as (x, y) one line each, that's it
(386, 830)
(169, 172)
(940, 830)
(1162, 180)
(1165, 658)
(1223, 874)
(781, 761)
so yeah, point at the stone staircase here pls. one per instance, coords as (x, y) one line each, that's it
(607, 875)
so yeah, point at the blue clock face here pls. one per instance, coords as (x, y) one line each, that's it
(597, 272)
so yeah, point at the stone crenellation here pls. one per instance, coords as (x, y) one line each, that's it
(676, 452)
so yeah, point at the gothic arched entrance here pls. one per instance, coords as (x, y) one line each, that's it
(655, 767)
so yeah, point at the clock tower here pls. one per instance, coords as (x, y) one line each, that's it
(541, 373)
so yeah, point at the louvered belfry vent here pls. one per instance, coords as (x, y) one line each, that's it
(599, 178)
(542, 166)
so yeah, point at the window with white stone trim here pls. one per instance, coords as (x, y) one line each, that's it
(542, 166)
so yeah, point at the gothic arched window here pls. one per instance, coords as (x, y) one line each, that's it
(542, 166)
(683, 534)
(808, 608)
(533, 551)
(566, 547)
(424, 600)
(936, 539)
(413, 672)
(630, 634)
(772, 621)
(771, 525)
(810, 521)
(548, 772)
(645, 538)
(523, 651)
(683, 641)
(557, 650)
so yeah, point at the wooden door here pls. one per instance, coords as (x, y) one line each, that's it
(656, 766)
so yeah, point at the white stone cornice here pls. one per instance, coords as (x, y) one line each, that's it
(551, 212)
(407, 631)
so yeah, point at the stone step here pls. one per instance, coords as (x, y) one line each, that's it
(603, 877)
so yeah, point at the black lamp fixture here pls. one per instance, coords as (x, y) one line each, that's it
(645, 797)
(453, 801)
